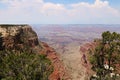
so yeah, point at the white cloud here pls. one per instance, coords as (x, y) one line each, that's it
(38, 11)
(98, 9)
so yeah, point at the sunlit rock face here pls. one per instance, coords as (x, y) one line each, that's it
(17, 37)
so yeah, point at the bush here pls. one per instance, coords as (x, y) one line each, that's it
(24, 66)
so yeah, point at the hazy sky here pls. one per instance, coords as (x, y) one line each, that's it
(60, 11)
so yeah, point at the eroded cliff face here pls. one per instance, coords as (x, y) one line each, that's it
(17, 37)
(22, 37)
(84, 50)
(59, 72)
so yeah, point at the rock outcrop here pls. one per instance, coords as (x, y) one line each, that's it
(59, 72)
(22, 37)
(85, 49)
(17, 37)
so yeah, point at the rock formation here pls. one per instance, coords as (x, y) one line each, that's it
(59, 72)
(17, 37)
(22, 37)
(84, 49)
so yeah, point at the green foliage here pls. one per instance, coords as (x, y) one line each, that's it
(93, 60)
(108, 50)
(106, 36)
(24, 66)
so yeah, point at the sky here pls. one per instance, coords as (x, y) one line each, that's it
(59, 11)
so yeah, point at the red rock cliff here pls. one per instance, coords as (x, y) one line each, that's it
(59, 72)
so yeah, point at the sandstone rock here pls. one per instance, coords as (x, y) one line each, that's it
(17, 37)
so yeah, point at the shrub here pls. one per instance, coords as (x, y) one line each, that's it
(24, 66)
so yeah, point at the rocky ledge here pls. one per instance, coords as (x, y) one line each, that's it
(17, 37)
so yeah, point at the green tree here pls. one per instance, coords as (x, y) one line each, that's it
(108, 49)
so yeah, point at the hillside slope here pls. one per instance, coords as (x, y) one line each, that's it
(20, 38)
